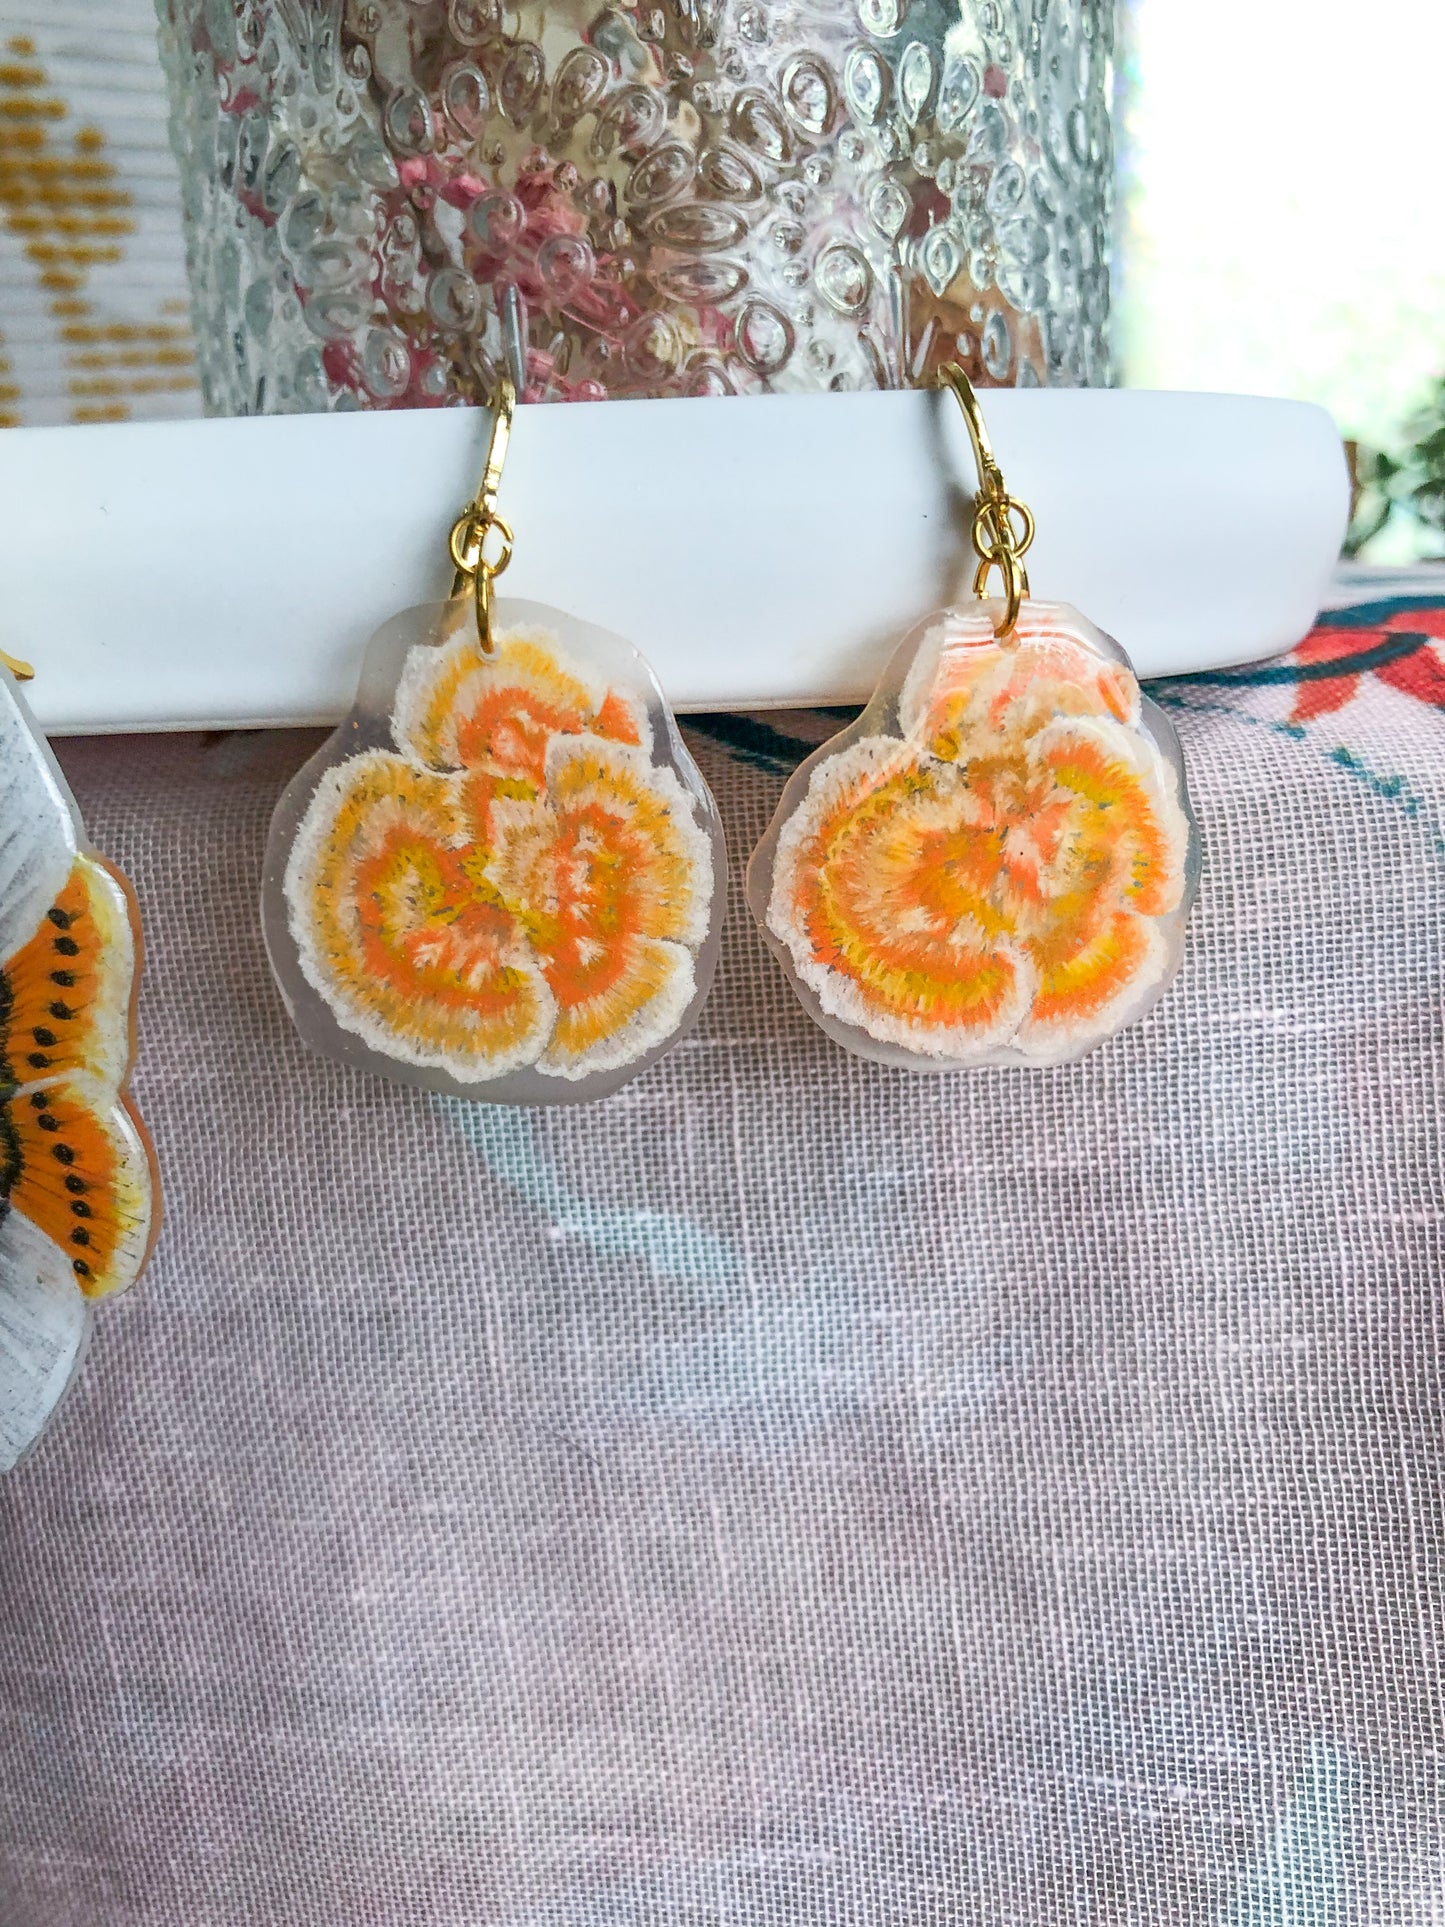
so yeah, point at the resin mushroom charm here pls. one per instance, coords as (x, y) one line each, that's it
(501, 877)
(995, 862)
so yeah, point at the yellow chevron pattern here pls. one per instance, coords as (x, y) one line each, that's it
(93, 304)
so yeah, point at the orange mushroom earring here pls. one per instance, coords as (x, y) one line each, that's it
(501, 877)
(994, 863)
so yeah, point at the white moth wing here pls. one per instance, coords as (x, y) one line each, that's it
(44, 1324)
(38, 840)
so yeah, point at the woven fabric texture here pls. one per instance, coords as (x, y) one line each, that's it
(790, 1491)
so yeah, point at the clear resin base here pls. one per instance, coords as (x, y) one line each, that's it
(994, 863)
(501, 877)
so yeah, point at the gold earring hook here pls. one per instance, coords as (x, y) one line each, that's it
(21, 671)
(468, 539)
(995, 542)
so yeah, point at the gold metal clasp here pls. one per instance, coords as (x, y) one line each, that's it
(479, 520)
(996, 543)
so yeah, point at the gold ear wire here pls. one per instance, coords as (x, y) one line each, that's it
(995, 543)
(21, 671)
(468, 539)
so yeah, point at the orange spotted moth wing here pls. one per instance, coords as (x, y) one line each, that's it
(78, 1189)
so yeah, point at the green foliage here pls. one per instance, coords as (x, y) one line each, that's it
(1405, 490)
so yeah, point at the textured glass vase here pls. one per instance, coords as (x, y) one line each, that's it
(386, 198)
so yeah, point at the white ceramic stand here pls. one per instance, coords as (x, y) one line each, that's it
(762, 552)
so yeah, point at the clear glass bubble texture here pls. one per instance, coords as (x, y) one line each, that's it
(994, 864)
(502, 876)
(386, 200)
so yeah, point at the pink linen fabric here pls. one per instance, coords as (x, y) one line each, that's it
(790, 1491)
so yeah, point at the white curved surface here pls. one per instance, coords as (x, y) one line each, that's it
(761, 552)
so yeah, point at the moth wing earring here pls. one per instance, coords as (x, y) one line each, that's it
(995, 862)
(502, 876)
(79, 1195)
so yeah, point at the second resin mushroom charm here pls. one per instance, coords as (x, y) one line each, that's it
(994, 863)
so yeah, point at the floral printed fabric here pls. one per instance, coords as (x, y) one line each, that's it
(792, 1490)
(1393, 643)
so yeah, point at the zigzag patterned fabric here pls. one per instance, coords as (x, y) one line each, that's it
(94, 308)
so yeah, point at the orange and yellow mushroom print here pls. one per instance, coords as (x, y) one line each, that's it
(519, 884)
(1002, 874)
